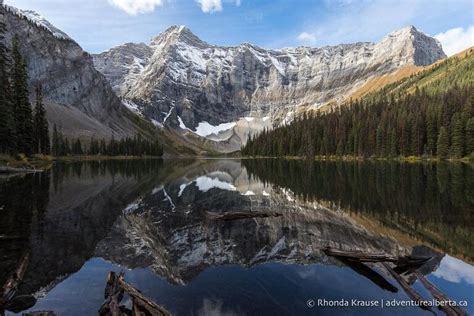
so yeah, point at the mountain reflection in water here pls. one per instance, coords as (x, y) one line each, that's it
(159, 220)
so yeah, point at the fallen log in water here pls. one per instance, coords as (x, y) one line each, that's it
(11, 285)
(440, 296)
(141, 302)
(366, 271)
(20, 303)
(5, 169)
(414, 295)
(376, 257)
(230, 216)
(114, 291)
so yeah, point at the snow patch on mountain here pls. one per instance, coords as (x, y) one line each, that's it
(132, 106)
(39, 21)
(205, 129)
(206, 183)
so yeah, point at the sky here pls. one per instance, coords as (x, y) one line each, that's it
(98, 25)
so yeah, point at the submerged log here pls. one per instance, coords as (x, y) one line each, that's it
(376, 257)
(114, 291)
(230, 216)
(11, 285)
(366, 271)
(440, 296)
(414, 295)
(113, 295)
(20, 303)
(40, 313)
(6, 169)
(144, 304)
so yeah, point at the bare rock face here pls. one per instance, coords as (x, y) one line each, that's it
(180, 81)
(78, 98)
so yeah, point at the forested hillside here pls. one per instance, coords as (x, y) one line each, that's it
(430, 113)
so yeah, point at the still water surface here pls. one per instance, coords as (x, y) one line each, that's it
(156, 220)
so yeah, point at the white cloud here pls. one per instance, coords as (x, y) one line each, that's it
(306, 37)
(210, 6)
(455, 270)
(134, 7)
(349, 21)
(456, 40)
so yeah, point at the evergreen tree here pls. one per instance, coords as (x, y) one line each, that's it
(7, 122)
(457, 136)
(470, 136)
(77, 147)
(443, 143)
(21, 103)
(41, 129)
(56, 144)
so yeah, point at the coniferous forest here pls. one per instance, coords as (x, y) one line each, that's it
(428, 114)
(26, 131)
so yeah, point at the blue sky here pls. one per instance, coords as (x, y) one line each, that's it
(100, 24)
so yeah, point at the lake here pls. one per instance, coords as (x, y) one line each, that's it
(163, 222)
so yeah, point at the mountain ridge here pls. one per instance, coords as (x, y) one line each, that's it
(78, 98)
(181, 82)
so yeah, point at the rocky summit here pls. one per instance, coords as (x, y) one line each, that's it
(225, 93)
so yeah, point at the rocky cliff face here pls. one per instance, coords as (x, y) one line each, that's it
(78, 98)
(178, 80)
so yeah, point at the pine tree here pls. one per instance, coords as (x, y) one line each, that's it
(21, 103)
(7, 122)
(443, 143)
(41, 129)
(457, 136)
(55, 141)
(77, 147)
(470, 136)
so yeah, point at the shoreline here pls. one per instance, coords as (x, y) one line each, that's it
(22, 164)
(360, 158)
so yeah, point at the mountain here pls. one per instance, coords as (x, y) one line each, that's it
(427, 114)
(78, 98)
(223, 93)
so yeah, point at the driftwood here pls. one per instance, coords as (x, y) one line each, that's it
(6, 169)
(10, 287)
(402, 261)
(20, 303)
(114, 291)
(414, 295)
(230, 216)
(369, 273)
(439, 296)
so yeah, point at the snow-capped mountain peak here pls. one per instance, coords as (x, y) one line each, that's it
(39, 21)
(215, 85)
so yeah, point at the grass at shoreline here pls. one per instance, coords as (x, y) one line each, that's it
(42, 162)
(361, 158)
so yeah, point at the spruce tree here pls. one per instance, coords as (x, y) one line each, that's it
(470, 136)
(7, 122)
(457, 136)
(56, 144)
(41, 129)
(21, 103)
(443, 143)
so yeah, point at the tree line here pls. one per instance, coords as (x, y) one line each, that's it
(22, 130)
(128, 146)
(400, 120)
(26, 131)
(426, 199)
